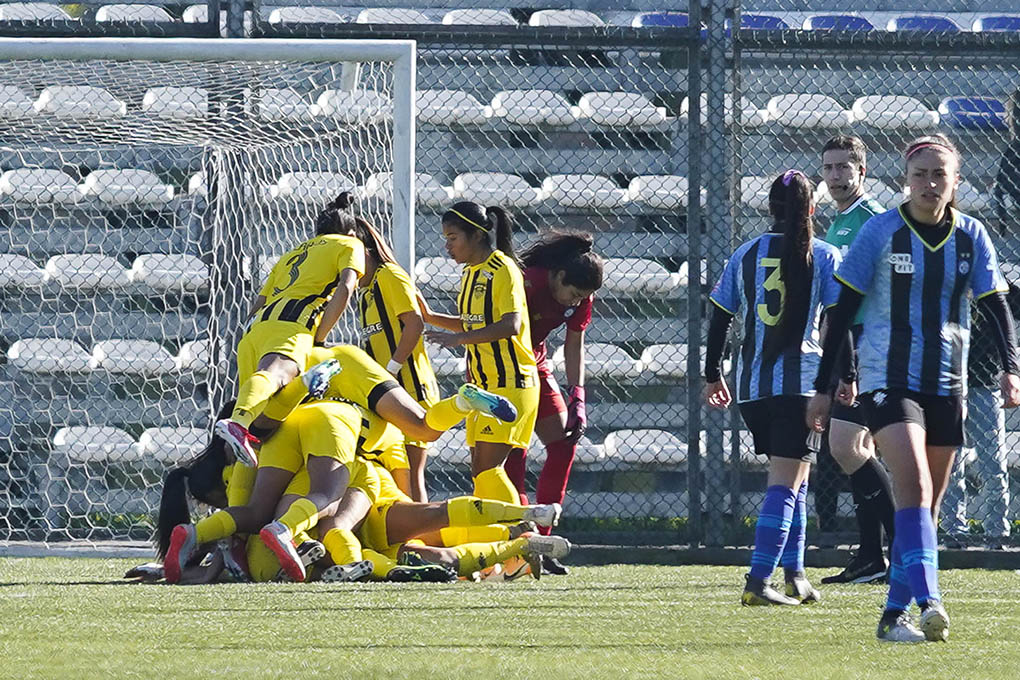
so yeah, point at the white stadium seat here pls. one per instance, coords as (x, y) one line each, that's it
(808, 111)
(648, 447)
(196, 14)
(48, 355)
(873, 187)
(427, 189)
(451, 107)
(126, 186)
(311, 187)
(86, 444)
(635, 276)
(38, 185)
(32, 11)
(495, 188)
(894, 112)
(173, 445)
(79, 101)
(445, 362)
(479, 17)
(604, 360)
(438, 273)
(662, 192)
(583, 191)
(621, 109)
(305, 15)
(132, 13)
(13, 102)
(134, 357)
(451, 447)
(746, 445)
(533, 107)
(354, 107)
(180, 103)
(163, 272)
(283, 105)
(754, 191)
(565, 17)
(388, 15)
(17, 271)
(194, 357)
(88, 270)
(750, 115)
(196, 185)
(670, 360)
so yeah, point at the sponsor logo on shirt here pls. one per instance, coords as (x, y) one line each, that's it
(372, 329)
(901, 262)
(843, 232)
(472, 318)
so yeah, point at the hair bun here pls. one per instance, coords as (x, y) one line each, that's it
(342, 202)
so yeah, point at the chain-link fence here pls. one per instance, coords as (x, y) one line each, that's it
(131, 18)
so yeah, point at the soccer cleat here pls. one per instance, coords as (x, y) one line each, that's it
(488, 403)
(235, 558)
(800, 589)
(277, 538)
(317, 377)
(493, 574)
(934, 622)
(310, 552)
(551, 546)
(546, 515)
(347, 573)
(758, 593)
(518, 530)
(150, 572)
(860, 569)
(896, 626)
(517, 567)
(241, 442)
(183, 543)
(425, 573)
(553, 567)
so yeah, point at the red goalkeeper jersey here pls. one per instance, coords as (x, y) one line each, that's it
(546, 314)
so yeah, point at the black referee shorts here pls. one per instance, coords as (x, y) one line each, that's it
(779, 428)
(940, 416)
(850, 414)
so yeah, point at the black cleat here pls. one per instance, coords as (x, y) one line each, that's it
(426, 573)
(758, 593)
(861, 569)
(553, 567)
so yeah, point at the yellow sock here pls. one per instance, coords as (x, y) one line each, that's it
(342, 545)
(242, 480)
(444, 414)
(256, 389)
(301, 537)
(474, 556)
(469, 511)
(300, 516)
(286, 400)
(381, 565)
(486, 534)
(218, 525)
(495, 485)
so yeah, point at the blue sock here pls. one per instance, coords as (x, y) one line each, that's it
(793, 552)
(899, 584)
(772, 529)
(920, 552)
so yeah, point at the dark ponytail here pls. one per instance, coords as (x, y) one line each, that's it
(491, 222)
(336, 217)
(173, 508)
(568, 252)
(790, 204)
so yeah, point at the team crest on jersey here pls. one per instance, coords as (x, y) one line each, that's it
(902, 263)
(569, 312)
(963, 267)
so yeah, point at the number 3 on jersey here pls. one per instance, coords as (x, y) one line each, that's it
(773, 282)
(295, 267)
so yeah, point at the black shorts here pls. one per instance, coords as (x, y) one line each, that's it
(940, 416)
(779, 428)
(850, 414)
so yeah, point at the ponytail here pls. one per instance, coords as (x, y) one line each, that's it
(568, 252)
(336, 217)
(491, 222)
(173, 508)
(502, 224)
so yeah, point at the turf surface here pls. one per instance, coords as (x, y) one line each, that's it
(76, 619)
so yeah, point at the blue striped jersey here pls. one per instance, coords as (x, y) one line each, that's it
(916, 313)
(752, 281)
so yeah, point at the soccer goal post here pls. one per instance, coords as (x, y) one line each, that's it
(147, 186)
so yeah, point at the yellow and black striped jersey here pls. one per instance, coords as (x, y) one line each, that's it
(387, 296)
(489, 291)
(361, 379)
(302, 281)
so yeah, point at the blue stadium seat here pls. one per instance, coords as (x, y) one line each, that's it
(837, 22)
(922, 22)
(760, 22)
(661, 19)
(973, 113)
(996, 24)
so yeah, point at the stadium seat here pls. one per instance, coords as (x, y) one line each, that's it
(171, 445)
(621, 109)
(451, 447)
(760, 22)
(479, 17)
(837, 22)
(90, 270)
(88, 444)
(176, 102)
(808, 111)
(14, 103)
(893, 112)
(48, 355)
(354, 107)
(533, 107)
(565, 17)
(666, 361)
(125, 186)
(17, 271)
(603, 360)
(750, 115)
(754, 191)
(451, 107)
(79, 101)
(635, 276)
(645, 447)
(917, 22)
(973, 113)
(311, 187)
(132, 357)
(391, 15)
(427, 189)
(162, 272)
(194, 356)
(445, 362)
(663, 192)
(661, 20)
(305, 15)
(745, 444)
(132, 13)
(38, 185)
(491, 188)
(283, 105)
(196, 14)
(196, 185)
(438, 273)
(873, 186)
(32, 11)
(1002, 23)
(583, 191)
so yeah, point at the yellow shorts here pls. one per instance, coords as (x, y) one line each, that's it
(373, 530)
(481, 428)
(361, 380)
(320, 428)
(281, 337)
(382, 443)
(363, 477)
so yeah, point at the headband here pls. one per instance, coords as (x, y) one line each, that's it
(789, 175)
(471, 222)
(929, 145)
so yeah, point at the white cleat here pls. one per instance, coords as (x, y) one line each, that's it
(898, 628)
(241, 442)
(556, 547)
(317, 377)
(935, 623)
(546, 515)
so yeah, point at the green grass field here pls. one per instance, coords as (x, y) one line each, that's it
(76, 619)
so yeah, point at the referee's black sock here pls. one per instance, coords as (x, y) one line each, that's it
(872, 492)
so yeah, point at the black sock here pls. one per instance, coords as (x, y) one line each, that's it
(872, 493)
